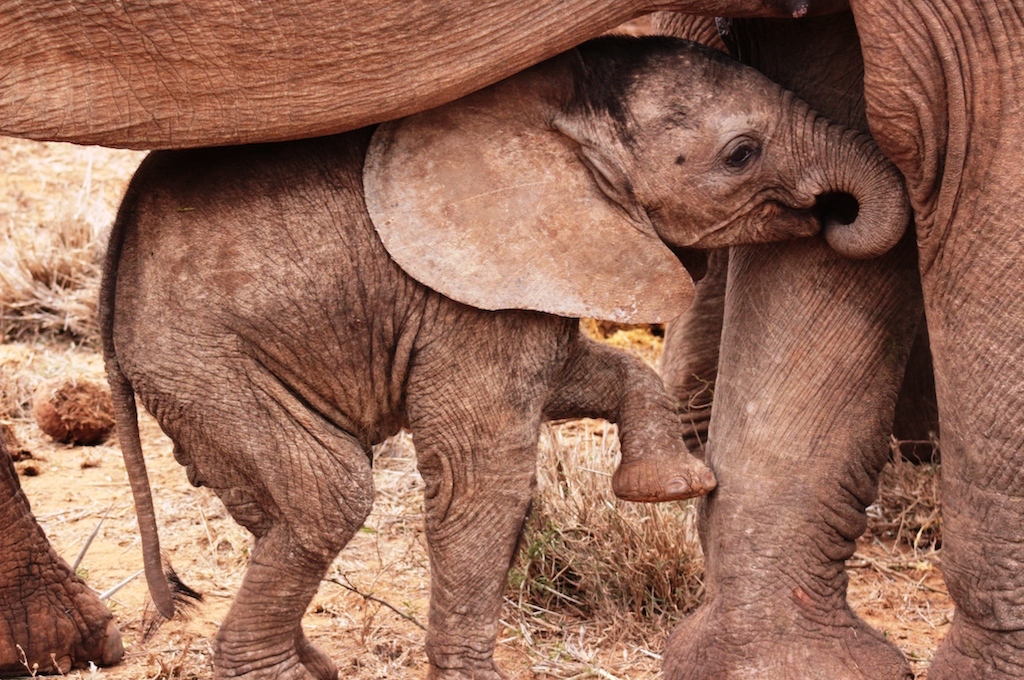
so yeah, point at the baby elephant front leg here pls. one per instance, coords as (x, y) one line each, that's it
(602, 382)
(477, 499)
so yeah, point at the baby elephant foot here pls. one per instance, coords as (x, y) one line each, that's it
(656, 479)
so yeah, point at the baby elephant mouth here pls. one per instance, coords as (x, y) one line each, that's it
(835, 208)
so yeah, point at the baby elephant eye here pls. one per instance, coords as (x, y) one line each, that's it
(741, 156)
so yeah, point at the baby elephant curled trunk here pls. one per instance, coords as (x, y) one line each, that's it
(859, 196)
(250, 302)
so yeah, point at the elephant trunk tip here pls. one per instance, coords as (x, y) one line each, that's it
(866, 227)
(835, 208)
(863, 207)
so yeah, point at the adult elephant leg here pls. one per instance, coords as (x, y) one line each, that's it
(49, 618)
(797, 441)
(689, 367)
(976, 322)
(945, 84)
(813, 351)
(689, 363)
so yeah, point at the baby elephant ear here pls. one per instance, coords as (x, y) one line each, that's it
(483, 202)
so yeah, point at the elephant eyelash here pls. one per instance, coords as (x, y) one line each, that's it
(743, 155)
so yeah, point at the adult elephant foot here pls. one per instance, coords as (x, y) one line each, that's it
(300, 660)
(720, 642)
(970, 653)
(50, 621)
(490, 673)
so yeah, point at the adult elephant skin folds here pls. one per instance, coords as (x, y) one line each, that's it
(151, 75)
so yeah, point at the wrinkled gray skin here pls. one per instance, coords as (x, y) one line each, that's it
(814, 349)
(176, 75)
(689, 367)
(279, 352)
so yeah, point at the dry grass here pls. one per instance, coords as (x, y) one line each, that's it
(50, 251)
(908, 509)
(589, 555)
(49, 281)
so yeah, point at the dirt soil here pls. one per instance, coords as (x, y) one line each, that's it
(367, 612)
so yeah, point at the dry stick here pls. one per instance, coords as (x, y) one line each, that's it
(88, 541)
(872, 563)
(109, 593)
(206, 525)
(373, 598)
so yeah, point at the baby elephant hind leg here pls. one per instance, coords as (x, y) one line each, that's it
(602, 382)
(307, 489)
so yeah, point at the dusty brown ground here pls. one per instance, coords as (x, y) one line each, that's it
(72, 489)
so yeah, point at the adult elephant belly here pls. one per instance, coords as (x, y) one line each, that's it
(215, 72)
(813, 351)
(945, 86)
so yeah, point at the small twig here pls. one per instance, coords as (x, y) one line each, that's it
(866, 562)
(648, 653)
(88, 541)
(373, 598)
(561, 596)
(33, 669)
(206, 525)
(106, 594)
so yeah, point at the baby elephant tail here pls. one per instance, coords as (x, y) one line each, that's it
(126, 416)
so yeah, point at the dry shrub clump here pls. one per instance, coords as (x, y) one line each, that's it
(57, 202)
(908, 509)
(586, 554)
(74, 411)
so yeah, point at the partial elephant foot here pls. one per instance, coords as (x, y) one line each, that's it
(970, 653)
(656, 479)
(716, 644)
(315, 660)
(300, 661)
(491, 673)
(50, 621)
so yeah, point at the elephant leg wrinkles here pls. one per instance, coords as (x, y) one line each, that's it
(476, 425)
(599, 382)
(50, 620)
(259, 427)
(946, 85)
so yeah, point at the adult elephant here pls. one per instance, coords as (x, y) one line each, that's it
(213, 72)
(813, 351)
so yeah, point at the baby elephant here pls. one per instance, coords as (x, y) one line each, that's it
(250, 303)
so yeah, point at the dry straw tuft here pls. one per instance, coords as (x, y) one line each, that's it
(49, 278)
(908, 509)
(74, 411)
(586, 554)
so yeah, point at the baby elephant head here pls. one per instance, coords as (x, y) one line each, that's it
(561, 189)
